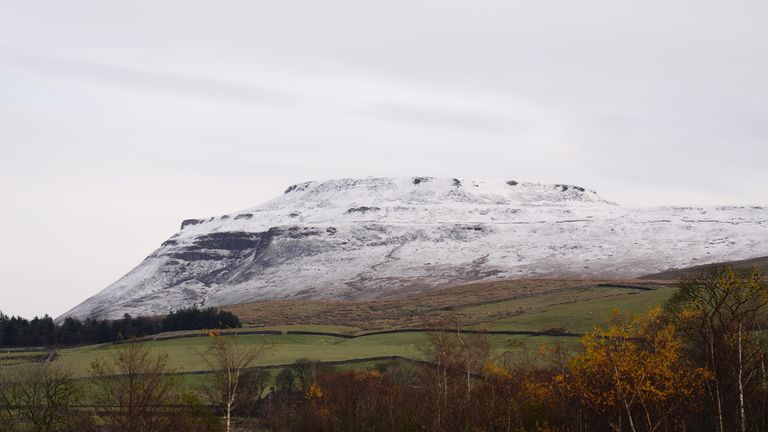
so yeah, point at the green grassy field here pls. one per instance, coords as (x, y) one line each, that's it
(187, 355)
(575, 307)
(576, 310)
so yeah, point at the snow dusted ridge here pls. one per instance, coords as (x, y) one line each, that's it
(374, 237)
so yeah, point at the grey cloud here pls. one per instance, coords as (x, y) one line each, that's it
(148, 81)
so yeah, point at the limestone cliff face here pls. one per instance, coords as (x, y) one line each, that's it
(374, 237)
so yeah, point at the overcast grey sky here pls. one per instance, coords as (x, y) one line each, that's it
(120, 119)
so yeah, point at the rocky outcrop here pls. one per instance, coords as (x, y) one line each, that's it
(189, 222)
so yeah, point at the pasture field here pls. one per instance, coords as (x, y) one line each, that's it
(574, 306)
(552, 311)
(576, 311)
(187, 355)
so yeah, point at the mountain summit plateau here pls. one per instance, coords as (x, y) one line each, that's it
(378, 237)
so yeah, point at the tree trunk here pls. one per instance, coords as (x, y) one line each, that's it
(229, 417)
(623, 400)
(718, 398)
(629, 417)
(439, 398)
(742, 413)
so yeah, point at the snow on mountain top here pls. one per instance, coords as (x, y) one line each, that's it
(414, 200)
(377, 237)
(430, 190)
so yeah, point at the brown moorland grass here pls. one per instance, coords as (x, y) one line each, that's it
(471, 304)
(760, 263)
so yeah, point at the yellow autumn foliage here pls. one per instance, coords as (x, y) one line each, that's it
(492, 370)
(314, 391)
(633, 368)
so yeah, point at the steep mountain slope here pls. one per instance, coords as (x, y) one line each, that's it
(375, 237)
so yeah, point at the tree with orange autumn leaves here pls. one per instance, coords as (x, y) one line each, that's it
(634, 373)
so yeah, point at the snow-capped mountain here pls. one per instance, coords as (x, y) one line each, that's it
(374, 237)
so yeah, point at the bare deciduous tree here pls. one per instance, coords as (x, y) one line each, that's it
(456, 358)
(6, 413)
(135, 390)
(231, 361)
(41, 396)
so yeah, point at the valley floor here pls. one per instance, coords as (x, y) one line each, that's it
(350, 332)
